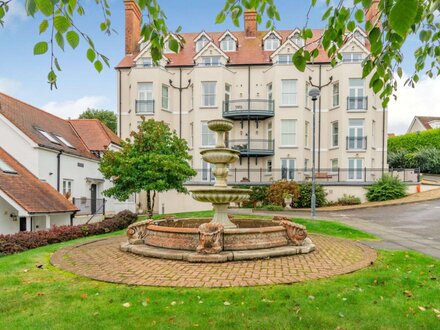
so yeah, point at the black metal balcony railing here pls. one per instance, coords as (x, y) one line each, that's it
(253, 147)
(356, 143)
(144, 107)
(88, 206)
(248, 108)
(357, 103)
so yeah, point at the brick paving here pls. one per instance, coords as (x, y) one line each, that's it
(102, 260)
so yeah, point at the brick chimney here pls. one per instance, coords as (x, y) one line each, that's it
(250, 23)
(133, 18)
(372, 14)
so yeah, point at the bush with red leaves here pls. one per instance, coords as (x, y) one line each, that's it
(23, 241)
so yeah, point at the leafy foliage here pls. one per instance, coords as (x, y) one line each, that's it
(413, 141)
(154, 160)
(106, 116)
(23, 241)
(305, 195)
(348, 200)
(278, 190)
(386, 188)
(273, 208)
(259, 195)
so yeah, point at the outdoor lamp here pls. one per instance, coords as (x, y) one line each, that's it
(314, 94)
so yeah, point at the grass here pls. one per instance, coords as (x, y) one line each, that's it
(400, 291)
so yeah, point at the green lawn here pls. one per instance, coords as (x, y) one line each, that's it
(401, 291)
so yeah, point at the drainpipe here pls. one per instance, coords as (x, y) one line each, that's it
(180, 102)
(59, 170)
(319, 122)
(120, 103)
(249, 125)
(383, 140)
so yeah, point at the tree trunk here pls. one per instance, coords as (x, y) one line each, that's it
(149, 206)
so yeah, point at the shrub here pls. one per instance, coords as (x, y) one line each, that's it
(425, 158)
(386, 188)
(273, 208)
(23, 241)
(277, 191)
(259, 195)
(411, 142)
(348, 200)
(305, 195)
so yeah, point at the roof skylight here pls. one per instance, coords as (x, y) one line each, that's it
(67, 143)
(48, 136)
(6, 168)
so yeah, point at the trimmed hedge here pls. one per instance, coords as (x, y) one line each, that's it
(23, 241)
(413, 141)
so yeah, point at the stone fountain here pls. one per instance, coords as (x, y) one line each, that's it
(219, 239)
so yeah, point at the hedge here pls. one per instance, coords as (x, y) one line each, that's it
(27, 240)
(413, 141)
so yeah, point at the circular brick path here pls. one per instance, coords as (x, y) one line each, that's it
(102, 260)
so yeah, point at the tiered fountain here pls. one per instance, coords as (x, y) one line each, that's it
(219, 239)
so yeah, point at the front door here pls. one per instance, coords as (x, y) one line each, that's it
(287, 169)
(93, 198)
(22, 224)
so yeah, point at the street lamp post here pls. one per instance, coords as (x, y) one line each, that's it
(314, 94)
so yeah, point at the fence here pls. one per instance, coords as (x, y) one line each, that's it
(337, 175)
(88, 206)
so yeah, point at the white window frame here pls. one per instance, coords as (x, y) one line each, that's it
(207, 136)
(284, 59)
(356, 94)
(67, 186)
(270, 135)
(356, 133)
(228, 44)
(287, 135)
(191, 135)
(67, 143)
(334, 164)
(306, 164)
(356, 172)
(373, 133)
(211, 61)
(48, 136)
(165, 98)
(307, 97)
(289, 164)
(359, 37)
(271, 42)
(297, 40)
(206, 174)
(269, 165)
(335, 94)
(289, 96)
(306, 134)
(201, 42)
(334, 135)
(352, 57)
(146, 62)
(209, 93)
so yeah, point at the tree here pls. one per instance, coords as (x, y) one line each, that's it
(154, 160)
(388, 24)
(105, 116)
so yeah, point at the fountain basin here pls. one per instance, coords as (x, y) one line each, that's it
(220, 155)
(220, 195)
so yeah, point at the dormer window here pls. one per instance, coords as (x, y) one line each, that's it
(359, 37)
(146, 62)
(271, 42)
(202, 42)
(228, 44)
(210, 60)
(48, 136)
(285, 59)
(352, 57)
(297, 40)
(434, 124)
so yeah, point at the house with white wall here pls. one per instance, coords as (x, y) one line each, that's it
(63, 153)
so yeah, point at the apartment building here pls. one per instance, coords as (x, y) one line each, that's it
(248, 77)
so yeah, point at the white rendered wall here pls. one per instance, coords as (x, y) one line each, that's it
(7, 225)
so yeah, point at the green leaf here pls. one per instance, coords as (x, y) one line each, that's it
(299, 61)
(31, 7)
(60, 40)
(45, 6)
(91, 55)
(359, 15)
(72, 38)
(61, 23)
(399, 72)
(40, 48)
(220, 18)
(43, 25)
(402, 16)
(377, 85)
(57, 65)
(98, 66)
(351, 26)
(173, 44)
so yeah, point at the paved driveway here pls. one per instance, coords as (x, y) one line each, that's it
(412, 226)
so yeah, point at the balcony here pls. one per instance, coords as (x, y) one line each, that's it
(253, 147)
(355, 143)
(248, 109)
(356, 103)
(144, 107)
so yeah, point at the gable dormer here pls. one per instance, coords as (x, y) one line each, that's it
(145, 60)
(353, 51)
(271, 41)
(359, 35)
(166, 48)
(211, 55)
(284, 53)
(228, 42)
(296, 38)
(201, 41)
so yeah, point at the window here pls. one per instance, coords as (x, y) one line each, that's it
(67, 143)
(434, 124)
(48, 136)
(356, 139)
(208, 137)
(284, 59)
(334, 165)
(269, 166)
(165, 97)
(144, 103)
(210, 60)
(202, 42)
(288, 132)
(356, 99)
(191, 135)
(287, 169)
(208, 93)
(269, 96)
(335, 94)
(67, 186)
(373, 133)
(335, 134)
(306, 164)
(271, 42)
(206, 172)
(6, 168)
(227, 97)
(355, 169)
(307, 97)
(306, 134)
(228, 44)
(270, 136)
(359, 37)
(352, 57)
(146, 62)
(191, 101)
(297, 40)
(288, 92)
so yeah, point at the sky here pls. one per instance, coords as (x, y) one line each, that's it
(23, 75)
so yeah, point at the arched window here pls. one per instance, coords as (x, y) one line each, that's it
(271, 42)
(228, 44)
(297, 40)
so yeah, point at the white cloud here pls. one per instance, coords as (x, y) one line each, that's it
(9, 86)
(73, 108)
(423, 100)
(16, 14)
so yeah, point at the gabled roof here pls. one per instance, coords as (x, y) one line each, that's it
(425, 120)
(284, 45)
(29, 120)
(213, 45)
(33, 195)
(95, 134)
(227, 33)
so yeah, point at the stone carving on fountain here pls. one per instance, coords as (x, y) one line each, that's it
(221, 238)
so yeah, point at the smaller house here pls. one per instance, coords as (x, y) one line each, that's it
(423, 123)
(26, 202)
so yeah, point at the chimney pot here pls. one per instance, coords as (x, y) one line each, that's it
(250, 23)
(133, 18)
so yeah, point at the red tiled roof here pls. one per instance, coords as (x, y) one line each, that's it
(29, 192)
(250, 50)
(426, 120)
(29, 119)
(95, 134)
